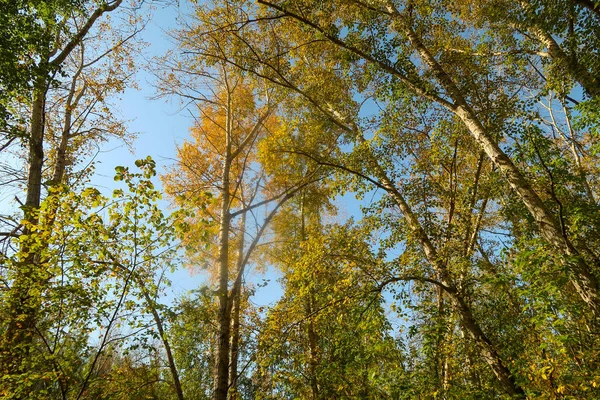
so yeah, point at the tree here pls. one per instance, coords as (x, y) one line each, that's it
(328, 336)
(101, 256)
(381, 93)
(435, 78)
(220, 176)
(66, 113)
(468, 133)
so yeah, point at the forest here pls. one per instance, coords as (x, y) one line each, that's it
(419, 179)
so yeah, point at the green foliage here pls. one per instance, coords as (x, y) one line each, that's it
(194, 339)
(98, 256)
(30, 28)
(329, 331)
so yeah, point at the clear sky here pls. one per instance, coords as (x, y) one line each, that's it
(158, 124)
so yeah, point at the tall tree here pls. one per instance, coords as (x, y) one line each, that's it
(389, 49)
(220, 176)
(61, 111)
(437, 119)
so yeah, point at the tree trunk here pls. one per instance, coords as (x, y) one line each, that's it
(36, 147)
(163, 338)
(236, 297)
(441, 358)
(583, 280)
(308, 309)
(23, 301)
(589, 82)
(221, 383)
(312, 347)
(235, 345)
(61, 162)
(486, 349)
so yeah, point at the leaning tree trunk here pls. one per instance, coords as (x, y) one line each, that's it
(583, 280)
(487, 349)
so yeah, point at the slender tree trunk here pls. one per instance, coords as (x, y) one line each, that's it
(36, 146)
(487, 349)
(441, 356)
(308, 310)
(235, 345)
(578, 71)
(163, 337)
(312, 347)
(61, 162)
(26, 278)
(221, 383)
(170, 359)
(583, 280)
(224, 318)
(589, 82)
(236, 297)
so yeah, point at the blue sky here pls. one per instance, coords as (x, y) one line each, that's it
(158, 124)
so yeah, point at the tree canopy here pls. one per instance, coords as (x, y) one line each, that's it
(420, 180)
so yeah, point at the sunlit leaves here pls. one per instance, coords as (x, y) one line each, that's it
(97, 256)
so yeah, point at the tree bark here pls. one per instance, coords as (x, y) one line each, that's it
(72, 101)
(589, 82)
(236, 297)
(312, 347)
(310, 328)
(235, 345)
(23, 301)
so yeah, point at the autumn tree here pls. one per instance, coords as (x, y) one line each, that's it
(104, 257)
(435, 77)
(220, 176)
(437, 119)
